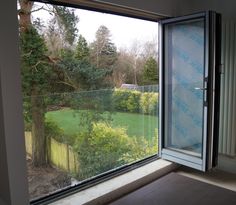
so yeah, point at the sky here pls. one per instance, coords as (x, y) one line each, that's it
(124, 30)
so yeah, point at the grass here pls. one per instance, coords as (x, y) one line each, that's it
(136, 124)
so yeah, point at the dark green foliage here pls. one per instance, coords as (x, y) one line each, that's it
(81, 74)
(126, 100)
(27, 113)
(82, 50)
(91, 77)
(67, 20)
(52, 130)
(150, 72)
(35, 69)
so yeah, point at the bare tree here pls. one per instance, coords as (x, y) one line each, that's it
(136, 56)
(150, 49)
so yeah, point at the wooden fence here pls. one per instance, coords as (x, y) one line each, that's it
(59, 154)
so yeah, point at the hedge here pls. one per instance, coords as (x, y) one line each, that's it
(135, 101)
(121, 100)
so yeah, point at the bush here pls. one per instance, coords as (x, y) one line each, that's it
(135, 101)
(52, 130)
(100, 150)
(139, 149)
(149, 103)
(126, 100)
(106, 148)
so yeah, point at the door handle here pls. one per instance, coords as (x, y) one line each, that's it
(200, 88)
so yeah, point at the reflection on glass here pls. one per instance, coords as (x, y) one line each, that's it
(185, 73)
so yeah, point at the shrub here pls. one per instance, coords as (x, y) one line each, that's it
(100, 150)
(135, 101)
(126, 100)
(119, 100)
(52, 130)
(106, 148)
(149, 103)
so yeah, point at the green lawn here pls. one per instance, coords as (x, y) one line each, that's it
(136, 124)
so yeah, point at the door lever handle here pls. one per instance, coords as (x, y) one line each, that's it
(200, 88)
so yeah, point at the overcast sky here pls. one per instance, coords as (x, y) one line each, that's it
(124, 30)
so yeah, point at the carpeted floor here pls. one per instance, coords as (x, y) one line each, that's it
(175, 189)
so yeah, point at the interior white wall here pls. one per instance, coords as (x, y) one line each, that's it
(13, 180)
(182, 7)
(227, 8)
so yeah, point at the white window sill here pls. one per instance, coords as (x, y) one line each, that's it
(120, 185)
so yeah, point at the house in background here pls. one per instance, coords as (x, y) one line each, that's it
(13, 183)
(129, 86)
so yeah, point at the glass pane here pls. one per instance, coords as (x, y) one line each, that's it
(184, 80)
(90, 86)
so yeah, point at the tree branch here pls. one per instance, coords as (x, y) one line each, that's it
(65, 83)
(26, 54)
(39, 62)
(37, 9)
(70, 81)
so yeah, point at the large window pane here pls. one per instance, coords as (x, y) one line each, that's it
(90, 86)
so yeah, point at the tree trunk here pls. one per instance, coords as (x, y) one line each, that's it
(39, 142)
(25, 14)
(135, 71)
(39, 146)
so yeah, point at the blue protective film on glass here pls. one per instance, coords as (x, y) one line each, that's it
(185, 50)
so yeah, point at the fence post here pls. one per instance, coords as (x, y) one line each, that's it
(68, 157)
(48, 146)
(75, 163)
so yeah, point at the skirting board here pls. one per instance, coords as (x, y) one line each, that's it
(227, 163)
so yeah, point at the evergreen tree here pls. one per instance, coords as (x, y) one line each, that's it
(66, 20)
(150, 72)
(39, 71)
(35, 75)
(80, 73)
(103, 51)
(82, 50)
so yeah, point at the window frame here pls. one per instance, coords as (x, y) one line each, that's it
(211, 99)
(85, 184)
(107, 7)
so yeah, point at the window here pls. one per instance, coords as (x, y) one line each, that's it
(91, 90)
(90, 87)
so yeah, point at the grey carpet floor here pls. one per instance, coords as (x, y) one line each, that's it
(175, 189)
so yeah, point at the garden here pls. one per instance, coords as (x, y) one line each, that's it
(78, 120)
(106, 128)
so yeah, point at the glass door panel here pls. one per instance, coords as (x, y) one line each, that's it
(184, 86)
(188, 92)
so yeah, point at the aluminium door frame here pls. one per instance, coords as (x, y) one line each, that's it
(210, 123)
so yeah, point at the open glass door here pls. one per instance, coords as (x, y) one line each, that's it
(189, 89)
